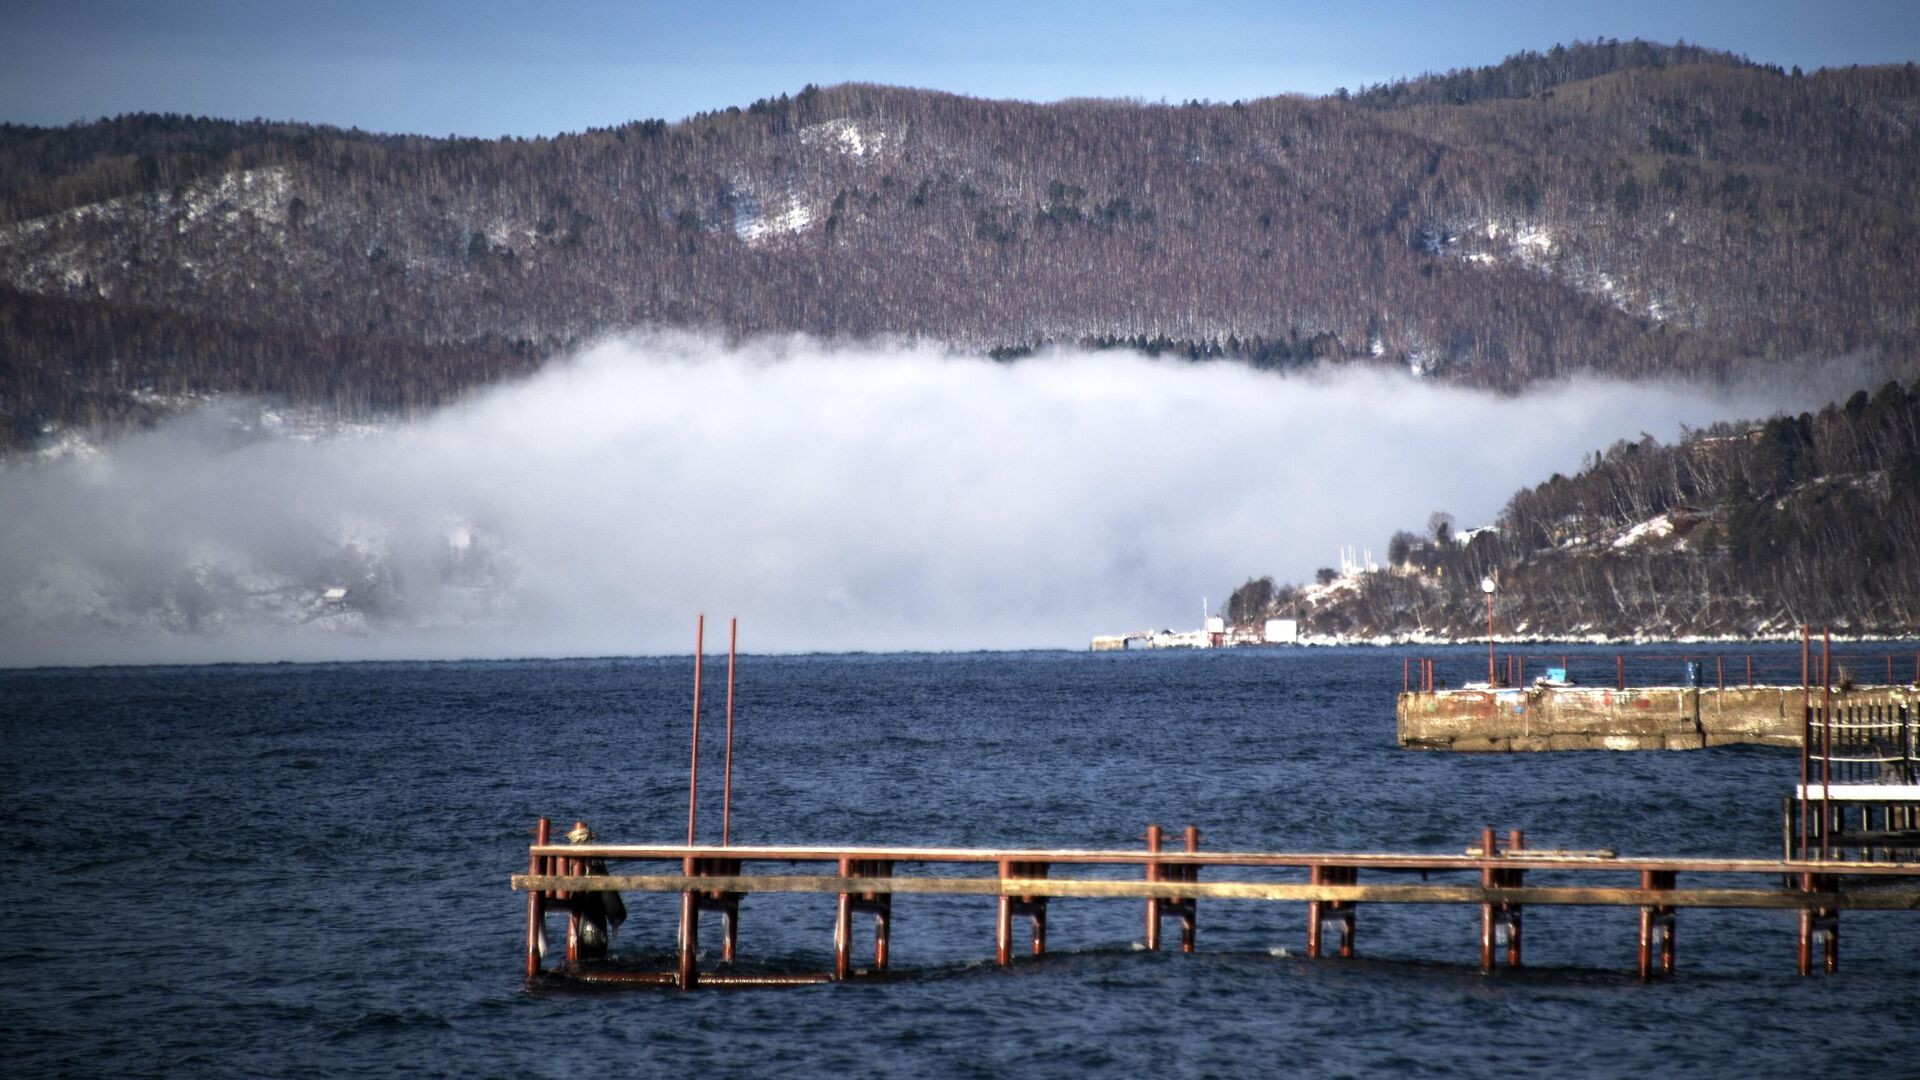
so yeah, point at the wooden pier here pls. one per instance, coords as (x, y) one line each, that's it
(1492, 875)
(1499, 874)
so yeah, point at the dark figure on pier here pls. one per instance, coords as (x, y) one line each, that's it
(601, 913)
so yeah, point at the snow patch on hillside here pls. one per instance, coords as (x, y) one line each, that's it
(845, 135)
(1654, 528)
(75, 250)
(757, 221)
(262, 194)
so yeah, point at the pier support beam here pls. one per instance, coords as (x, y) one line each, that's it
(536, 900)
(1656, 920)
(1322, 912)
(879, 905)
(1033, 907)
(1815, 924)
(685, 975)
(1184, 907)
(1501, 919)
(572, 867)
(725, 904)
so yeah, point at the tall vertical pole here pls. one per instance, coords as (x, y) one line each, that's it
(693, 779)
(1806, 730)
(1826, 740)
(726, 774)
(1489, 639)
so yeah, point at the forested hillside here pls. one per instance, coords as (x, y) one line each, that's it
(1738, 529)
(1617, 207)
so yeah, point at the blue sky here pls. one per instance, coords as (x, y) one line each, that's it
(488, 68)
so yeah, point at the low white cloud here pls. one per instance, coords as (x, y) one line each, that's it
(831, 497)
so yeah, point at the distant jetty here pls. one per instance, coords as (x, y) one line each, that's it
(1215, 634)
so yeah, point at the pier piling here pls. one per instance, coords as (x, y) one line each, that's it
(537, 901)
(1656, 920)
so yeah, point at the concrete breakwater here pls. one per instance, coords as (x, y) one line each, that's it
(1605, 718)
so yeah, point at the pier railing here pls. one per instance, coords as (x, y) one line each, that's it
(1620, 670)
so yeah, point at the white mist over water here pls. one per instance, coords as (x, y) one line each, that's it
(833, 498)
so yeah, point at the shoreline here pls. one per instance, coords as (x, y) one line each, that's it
(1312, 642)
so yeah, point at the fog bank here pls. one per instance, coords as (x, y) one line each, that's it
(833, 498)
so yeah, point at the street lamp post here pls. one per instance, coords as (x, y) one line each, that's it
(1487, 586)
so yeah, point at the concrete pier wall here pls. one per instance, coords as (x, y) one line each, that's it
(1602, 718)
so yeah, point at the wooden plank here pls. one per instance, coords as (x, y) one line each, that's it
(1875, 900)
(1435, 862)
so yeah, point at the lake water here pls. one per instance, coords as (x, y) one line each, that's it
(302, 871)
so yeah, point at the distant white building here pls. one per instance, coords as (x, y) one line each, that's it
(1281, 632)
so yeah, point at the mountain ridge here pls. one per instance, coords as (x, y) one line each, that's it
(1681, 213)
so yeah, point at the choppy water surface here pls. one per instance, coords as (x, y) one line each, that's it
(302, 870)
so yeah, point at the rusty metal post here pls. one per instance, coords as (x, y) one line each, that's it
(1516, 840)
(1826, 741)
(1348, 930)
(843, 927)
(1406, 674)
(1190, 906)
(1489, 638)
(688, 978)
(1620, 671)
(1343, 909)
(573, 868)
(693, 776)
(1720, 673)
(726, 772)
(1668, 946)
(1003, 926)
(1316, 875)
(1656, 919)
(1487, 881)
(1803, 956)
(1153, 902)
(1806, 731)
(1816, 922)
(1646, 930)
(536, 900)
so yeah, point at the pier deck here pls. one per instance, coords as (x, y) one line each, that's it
(866, 879)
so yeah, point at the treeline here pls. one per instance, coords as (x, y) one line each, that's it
(123, 367)
(1529, 73)
(1736, 529)
(1666, 211)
